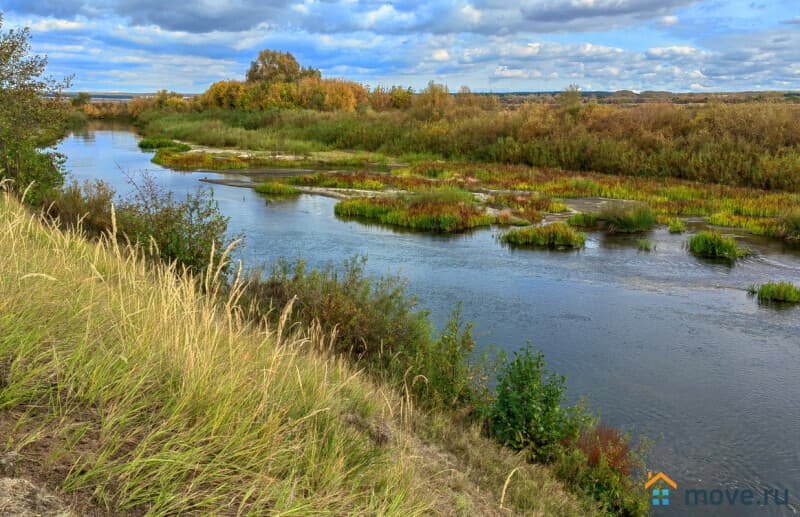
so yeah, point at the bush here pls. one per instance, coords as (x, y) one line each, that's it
(711, 244)
(190, 232)
(555, 236)
(527, 412)
(776, 292)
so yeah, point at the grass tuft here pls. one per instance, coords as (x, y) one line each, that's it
(273, 188)
(626, 219)
(554, 236)
(676, 225)
(711, 244)
(645, 245)
(785, 292)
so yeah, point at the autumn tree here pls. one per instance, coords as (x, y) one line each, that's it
(33, 112)
(272, 66)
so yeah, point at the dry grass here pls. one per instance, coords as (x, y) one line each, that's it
(192, 410)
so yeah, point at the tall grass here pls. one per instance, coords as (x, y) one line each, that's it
(776, 292)
(712, 244)
(555, 236)
(160, 398)
(273, 188)
(627, 219)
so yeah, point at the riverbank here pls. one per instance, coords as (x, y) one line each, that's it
(138, 395)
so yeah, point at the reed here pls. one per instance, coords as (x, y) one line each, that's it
(711, 244)
(784, 292)
(553, 236)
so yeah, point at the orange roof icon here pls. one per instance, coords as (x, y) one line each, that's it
(651, 479)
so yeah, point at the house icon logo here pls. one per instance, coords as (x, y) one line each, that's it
(660, 485)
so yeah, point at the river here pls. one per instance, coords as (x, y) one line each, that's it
(663, 343)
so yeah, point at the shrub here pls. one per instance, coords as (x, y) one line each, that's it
(676, 225)
(527, 412)
(712, 244)
(776, 292)
(622, 219)
(273, 188)
(556, 236)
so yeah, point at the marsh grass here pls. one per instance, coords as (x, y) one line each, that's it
(783, 292)
(676, 225)
(275, 189)
(711, 244)
(627, 219)
(587, 220)
(440, 211)
(161, 143)
(553, 236)
(790, 226)
(645, 245)
(360, 181)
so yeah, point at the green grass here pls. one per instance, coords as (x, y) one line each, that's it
(627, 219)
(790, 226)
(553, 236)
(645, 245)
(356, 180)
(785, 292)
(711, 244)
(676, 225)
(156, 397)
(439, 211)
(586, 220)
(273, 188)
(161, 143)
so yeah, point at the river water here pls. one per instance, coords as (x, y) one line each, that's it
(663, 343)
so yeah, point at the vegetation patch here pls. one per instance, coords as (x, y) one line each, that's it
(711, 244)
(587, 220)
(784, 292)
(161, 143)
(676, 225)
(276, 189)
(360, 181)
(645, 245)
(790, 226)
(627, 219)
(440, 211)
(554, 236)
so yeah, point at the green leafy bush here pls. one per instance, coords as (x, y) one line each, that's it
(528, 410)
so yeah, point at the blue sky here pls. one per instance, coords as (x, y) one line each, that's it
(523, 45)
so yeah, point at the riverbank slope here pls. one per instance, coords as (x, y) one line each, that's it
(125, 389)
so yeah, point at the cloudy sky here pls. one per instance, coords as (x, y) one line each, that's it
(521, 45)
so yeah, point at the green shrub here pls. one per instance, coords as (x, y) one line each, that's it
(528, 410)
(555, 236)
(712, 244)
(676, 225)
(776, 292)
(182, 231)
(627, 219)
(273, 188)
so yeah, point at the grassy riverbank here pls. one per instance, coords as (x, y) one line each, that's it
(141, 393)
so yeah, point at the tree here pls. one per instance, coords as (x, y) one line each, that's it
(32, 117)
(273, 66)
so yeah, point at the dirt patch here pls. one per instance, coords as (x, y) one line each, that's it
(21, 498)
(37, 470)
